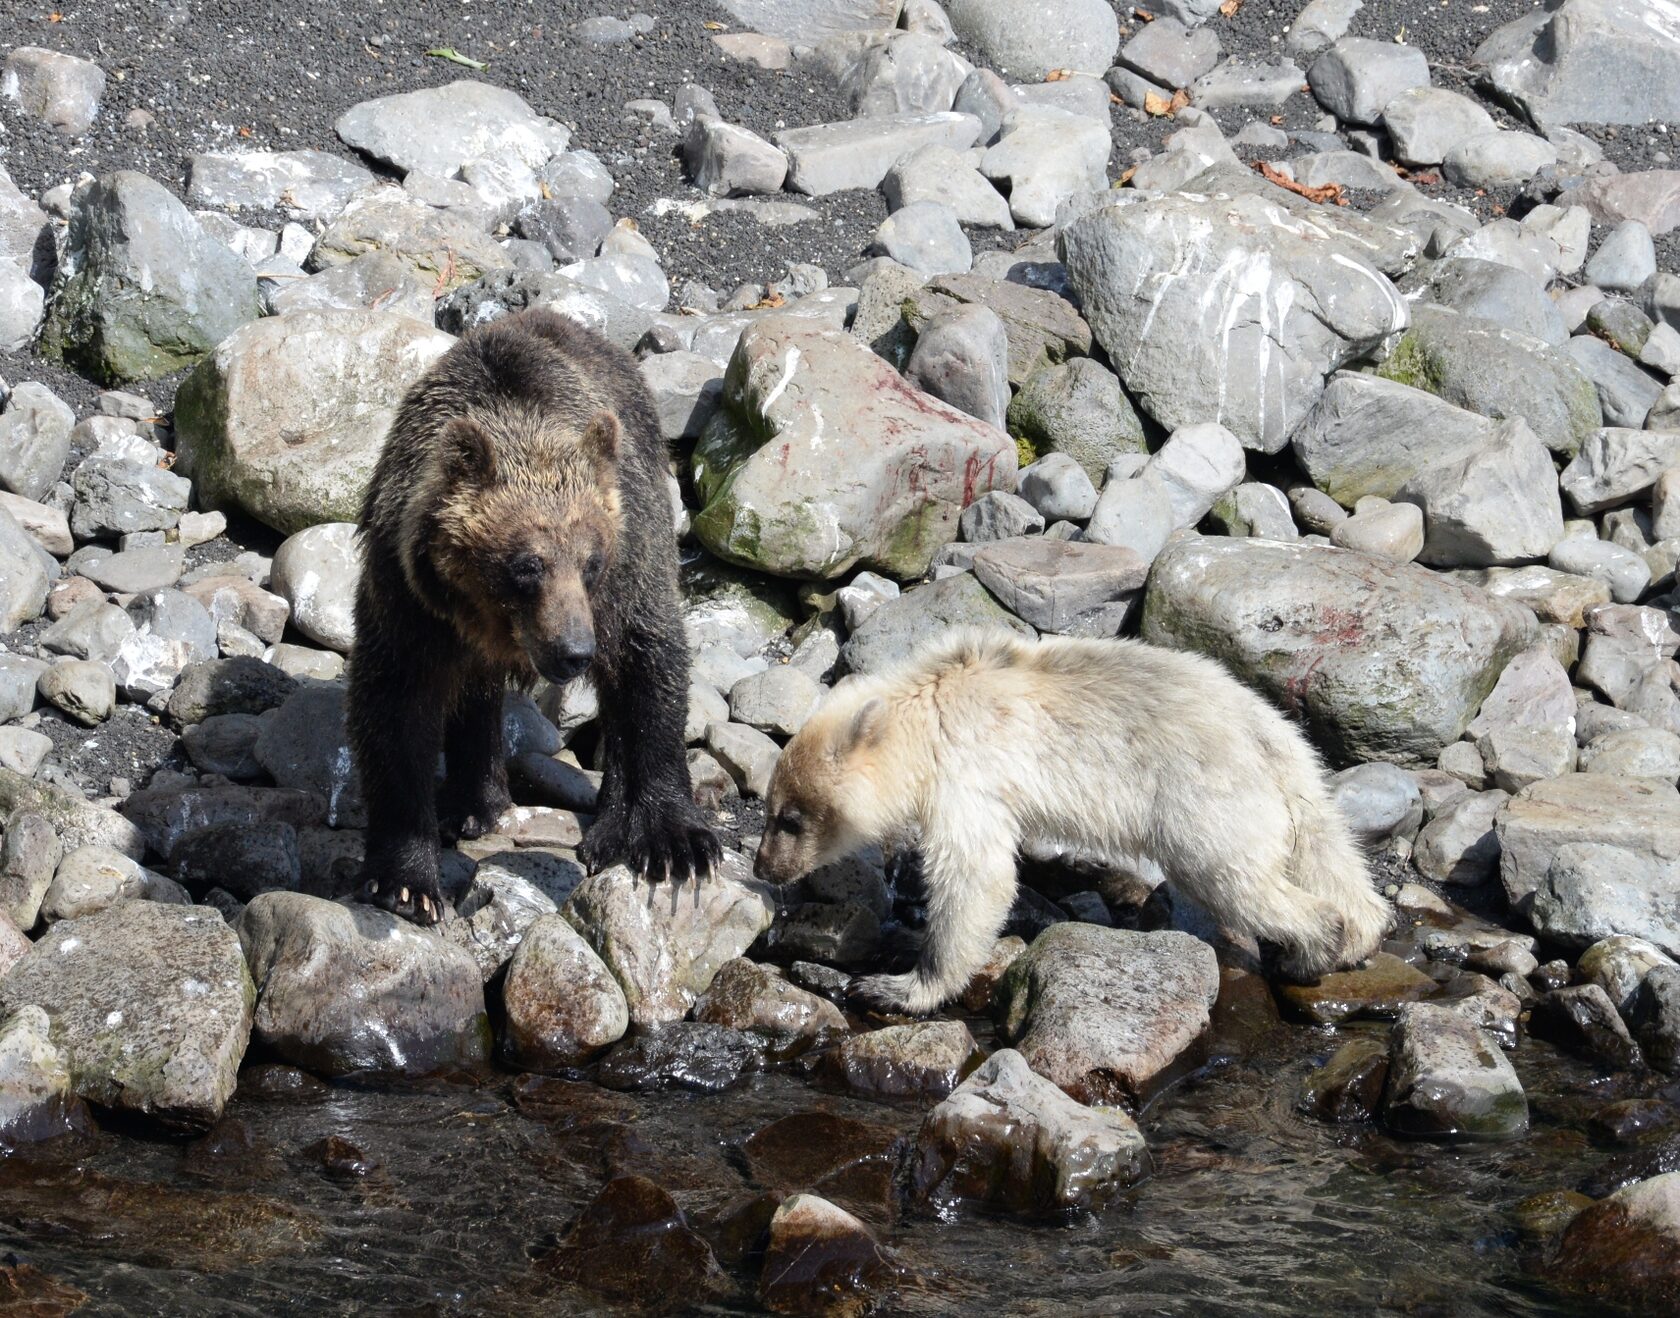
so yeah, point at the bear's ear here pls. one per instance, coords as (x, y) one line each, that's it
(468, 454)
(867, 725)
(601, 438)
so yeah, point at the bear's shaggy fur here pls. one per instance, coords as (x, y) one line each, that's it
(986, 744)
(518, 525)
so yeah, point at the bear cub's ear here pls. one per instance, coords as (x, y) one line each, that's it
(867, 727)
(601, 438)
(468, 454)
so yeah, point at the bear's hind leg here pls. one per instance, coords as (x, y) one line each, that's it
(475, 791)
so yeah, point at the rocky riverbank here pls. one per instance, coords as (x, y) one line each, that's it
(1341, 343)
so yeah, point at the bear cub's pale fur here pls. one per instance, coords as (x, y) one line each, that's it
(985, 744)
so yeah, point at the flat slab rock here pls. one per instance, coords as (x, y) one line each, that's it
(1105, 1013)
(1378, 989)
(149, 1004)
(1010, 1139)
(822, 459)
(1387, 661)
(665, 942)
(349, 989)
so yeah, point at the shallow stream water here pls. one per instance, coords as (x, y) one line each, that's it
(454, 1192)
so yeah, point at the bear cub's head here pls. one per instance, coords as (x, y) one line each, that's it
(527, 523)
(823, 801)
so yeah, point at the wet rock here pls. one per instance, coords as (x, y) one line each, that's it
(1448, 1080)
(495, 912)
(1625, 1248)
(927, 1058)
(1349, 1086)
(846, 934)
(1104, 1013)
(665, 942)
(316, 467)
(747, 996)
(36, 1099)
(1656, 1017)
(1459, 845)
(142, 289)
(1619, 966)
(689, 1055)
(1583, 1020)
(1010, 1139)
(633, 1244)
(349, 989)
(1378, 990)
(150, 1005)
(563, 1005)
(820, 1259)
(767, 507)
(1302, 623)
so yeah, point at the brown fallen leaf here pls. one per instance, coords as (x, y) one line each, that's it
(1277, 121)
(1143, 15)
(1125, 177)
(1329, 192)
(1156, 105)
(769, 303)
(1230, 7)
(1428, 180)
(711, 26)
(1058, 75)
(1180, 100)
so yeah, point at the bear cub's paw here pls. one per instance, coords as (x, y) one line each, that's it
(658, 838)
(464, 816)
(890, 995)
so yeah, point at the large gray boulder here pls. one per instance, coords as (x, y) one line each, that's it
(1488, 490)
(822, 459)
(1105, 1013)
(1587, 62)
(1498, 372)
(1028, 41)
(439, 129)
(348, 989)
(149, 1003)
(1590, 855)
(142, 289)
(664, 942)
(1386, 661)
(310, 185)
(336, 379)
(1226, 308)
(901, 626)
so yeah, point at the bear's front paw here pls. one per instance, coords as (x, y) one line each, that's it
(408, 889)
(658, 839)
(463, 817)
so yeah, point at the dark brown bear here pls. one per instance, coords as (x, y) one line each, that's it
(518, 525)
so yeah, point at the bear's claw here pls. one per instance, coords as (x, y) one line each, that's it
(415, 904)
(659, 841)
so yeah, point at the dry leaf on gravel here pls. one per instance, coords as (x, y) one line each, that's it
(1329, 192)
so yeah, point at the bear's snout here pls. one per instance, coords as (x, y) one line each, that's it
(568, 654)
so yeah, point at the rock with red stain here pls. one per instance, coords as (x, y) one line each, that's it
(1387, 661)
(822, 459)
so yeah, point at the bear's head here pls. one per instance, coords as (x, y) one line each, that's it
(823, 801)
(525, 534)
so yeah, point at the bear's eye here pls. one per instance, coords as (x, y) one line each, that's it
(790, 821)
(525, 572)
(592, 568)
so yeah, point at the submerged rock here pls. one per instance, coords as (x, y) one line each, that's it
(1010, 1139)
(633, 1244)
(1448, 1079)
(1378, 989)
(820, 1259)
(1625, 1248)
